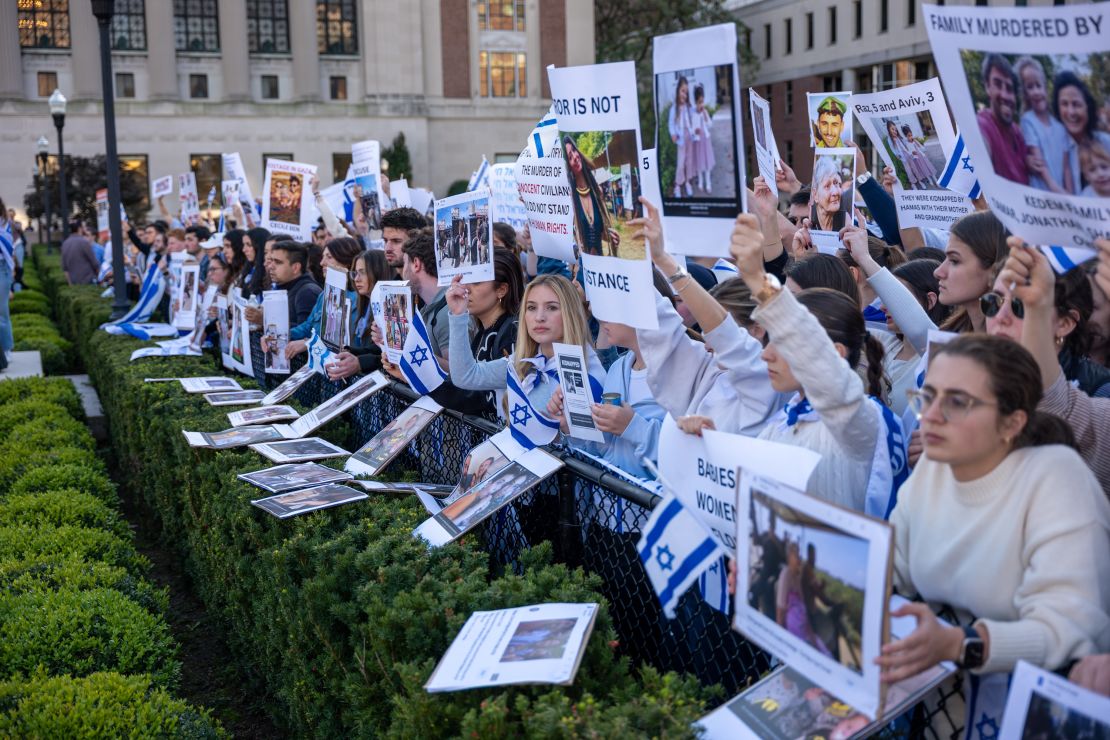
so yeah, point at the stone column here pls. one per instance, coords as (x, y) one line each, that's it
(84, 40)
(11, 58)
(233, 50)
(306, 58)
(161, 57)
(848, 79)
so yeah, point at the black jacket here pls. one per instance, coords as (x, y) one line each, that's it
(493, 343)
(303, 293)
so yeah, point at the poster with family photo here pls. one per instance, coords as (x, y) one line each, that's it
(391, 302)
(229, 194)
(812, 585)
(911, 132)
(1044, 706)
(541, 643)
(240, 353)
(209, 384)
(698, 131)
(355, 393)
(187, 196)
(367, 188)
(286, 505)
(297, 450)
(483, 499)
(233, 398)
(831, 195)
(599, 123)
(463, 237)
(275, 334)
(830, 119)
(766, 151)
(287, 201)
(335, 318)
(1028, 89)
(375, 455)
(230, 438)
(485, 459)
(292, 476)
(288, 386)
(186, 295)
(262, 415)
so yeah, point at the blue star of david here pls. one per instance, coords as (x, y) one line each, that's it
(713, 568)
(418, 356)
(967, 163)
(521, 414)
(987, 724)
(664, 557)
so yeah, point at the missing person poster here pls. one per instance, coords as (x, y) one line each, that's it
(233, 170)
(292, 476)
(296, 450)
(574, 378)
(347, 398)
(505, 205)
(1027, 89)
(285, 505)
(546, 195)
(240, 351)
(698, 134)
(287, 200)
(161, 187)
(275, 331)
(102, 234)
(910, 129)
(375, 455)
(187, 196)
(335, 319)
(830, 119)
(289, 386)
(831, 195)
(212, 384)
(542, 643)
(766, 150)
(229, 194)
(262, 415)
(223, 328)
(812, 585)
(186, 297)
(1041, 704)
(231, 438)
(366, 170)
(391, 302)
(234, 398)
(208, 300)
(464, 237)
(599, 125)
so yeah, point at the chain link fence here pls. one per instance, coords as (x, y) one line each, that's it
(593, 517)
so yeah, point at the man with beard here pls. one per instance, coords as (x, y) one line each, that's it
(997, 123)
(396, 225)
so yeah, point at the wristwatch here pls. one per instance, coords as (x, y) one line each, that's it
(678, 275)
(972, 651)
(770, 288)
(862, 179)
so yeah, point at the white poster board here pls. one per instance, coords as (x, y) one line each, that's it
(187, 297)
(161, 187)
(187, 196)
(233, 170)
(275, 330)
(545, 192)
(464, 237)
(574, 379)
(391, 302)
(287, 198)
(505, 204)
(766, 150)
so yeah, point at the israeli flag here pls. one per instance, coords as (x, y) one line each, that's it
(675, 549)
(480, 178)
(544, 139)
(105, 267)
(527, 425)
(150, 295)
(318, 354)
(1063, 259)
(724, 270)
(146, 332)
(418, 362)
(959, 172)
(7, 245)
(713, 584)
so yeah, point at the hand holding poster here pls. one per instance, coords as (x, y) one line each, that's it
(464, 237)
(574, 379)
(286, 206)
(186, 297)
(335, 318)
(233, 170)
(1025, 86)
(830, 119)
(366, 171)
(391, 302)
(831, 196)
(599, 121)
(910, 129)
(187, 196)
(766, 150)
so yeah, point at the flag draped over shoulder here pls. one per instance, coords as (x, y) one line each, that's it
(675, 549)
(418, 362)
(150, 295)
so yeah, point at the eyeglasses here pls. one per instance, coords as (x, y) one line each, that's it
(991, 303)
(953, 406)
(355, 274)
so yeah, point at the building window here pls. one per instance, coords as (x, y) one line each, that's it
(832, 83)
(270, 88)
(981, 2)
(789, 35)
(340, 163)
(208, 169)
(832, 26)
(336, 27)
(789, 150)
(911, 13)
(766, 40)
(196, 25)
(338, 87)
(268, 26)
(136, 168)
(501, 15)
(128, 26)
(125, 85)
(198, 86)
(884, 15)
(921, 71)
(809, 30)
(857, 8)
(789, 97)
(43, 24)
(748, 38)
(48, 83)
(888, 77)
(501, 74)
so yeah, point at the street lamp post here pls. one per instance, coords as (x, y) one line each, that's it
(58, 110)
(103, 9)
(43, 147)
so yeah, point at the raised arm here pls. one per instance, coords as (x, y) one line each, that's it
(466, 372)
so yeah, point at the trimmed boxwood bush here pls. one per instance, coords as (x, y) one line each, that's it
(17, 459)
(99, 705)
(53, 572)
(63, 476)
(33, 540)
(50, 390)
(67, 506)
(29, 302)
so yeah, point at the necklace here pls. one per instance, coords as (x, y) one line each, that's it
(582, 191)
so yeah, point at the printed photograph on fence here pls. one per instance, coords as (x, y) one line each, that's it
(262, 415)
(298, 450)
(1042, 705)
(285, 505)
(209, 385)
(287, 201)
(376, 454)
(831, 195)
(483, 499)
(542, 643)
(599, 125)
(480, 463)
(812, 586)
(1029, 91)
(289, 386)
(356, 392)
(830, 119)
(275, 337)
(764, 137)
(391, 302)
(293, 476)
(229, 438)
(545, 192)
(698, 132)
(234, 398)
(910, 130)
(336, 316)
(463, 237)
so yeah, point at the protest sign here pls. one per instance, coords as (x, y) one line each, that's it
(766, 150)
(209, 384)
(422, 199)
(1041, 704)
(297, 450)
(288, 386)
(102, 215)
(335, 318)
(161, 187)
(1040, 169)
(187, 196)
(285, 505)
(545, 192)
(782, 534)
(577, 398)
(240, 351)
(262, 415)
(288, 201)
(910, 129)
(223, 329)
(391, 302)
(186, 297)
(275, 319)
(831, 196)
(366, 164)
(399, 193)
(505, 204)
(291, 476)
(229, 193)
(542, 643)
(697, 137)
(376, 454)
(233, 398)
(464, 237)
(599, 122)
(233, 170)
(830, 119)
(230, 438)
(197, 338)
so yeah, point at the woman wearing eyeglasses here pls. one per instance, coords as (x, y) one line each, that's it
(1001, 522)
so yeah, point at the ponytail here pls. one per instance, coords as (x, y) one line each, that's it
(878, 385)
(1045, 429)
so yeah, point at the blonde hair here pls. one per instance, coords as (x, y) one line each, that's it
(575, 324)
(1091, 152)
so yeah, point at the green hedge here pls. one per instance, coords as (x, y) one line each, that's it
(340, 615)
(33, 329)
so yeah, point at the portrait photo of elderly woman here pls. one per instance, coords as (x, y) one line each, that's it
(831, 199)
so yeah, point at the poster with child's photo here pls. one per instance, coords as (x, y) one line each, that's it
(464, 237)
(1031, 97)
(831, 194)
(391, 302)
(830, 119)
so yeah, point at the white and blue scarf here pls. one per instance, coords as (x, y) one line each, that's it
(529, 426)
